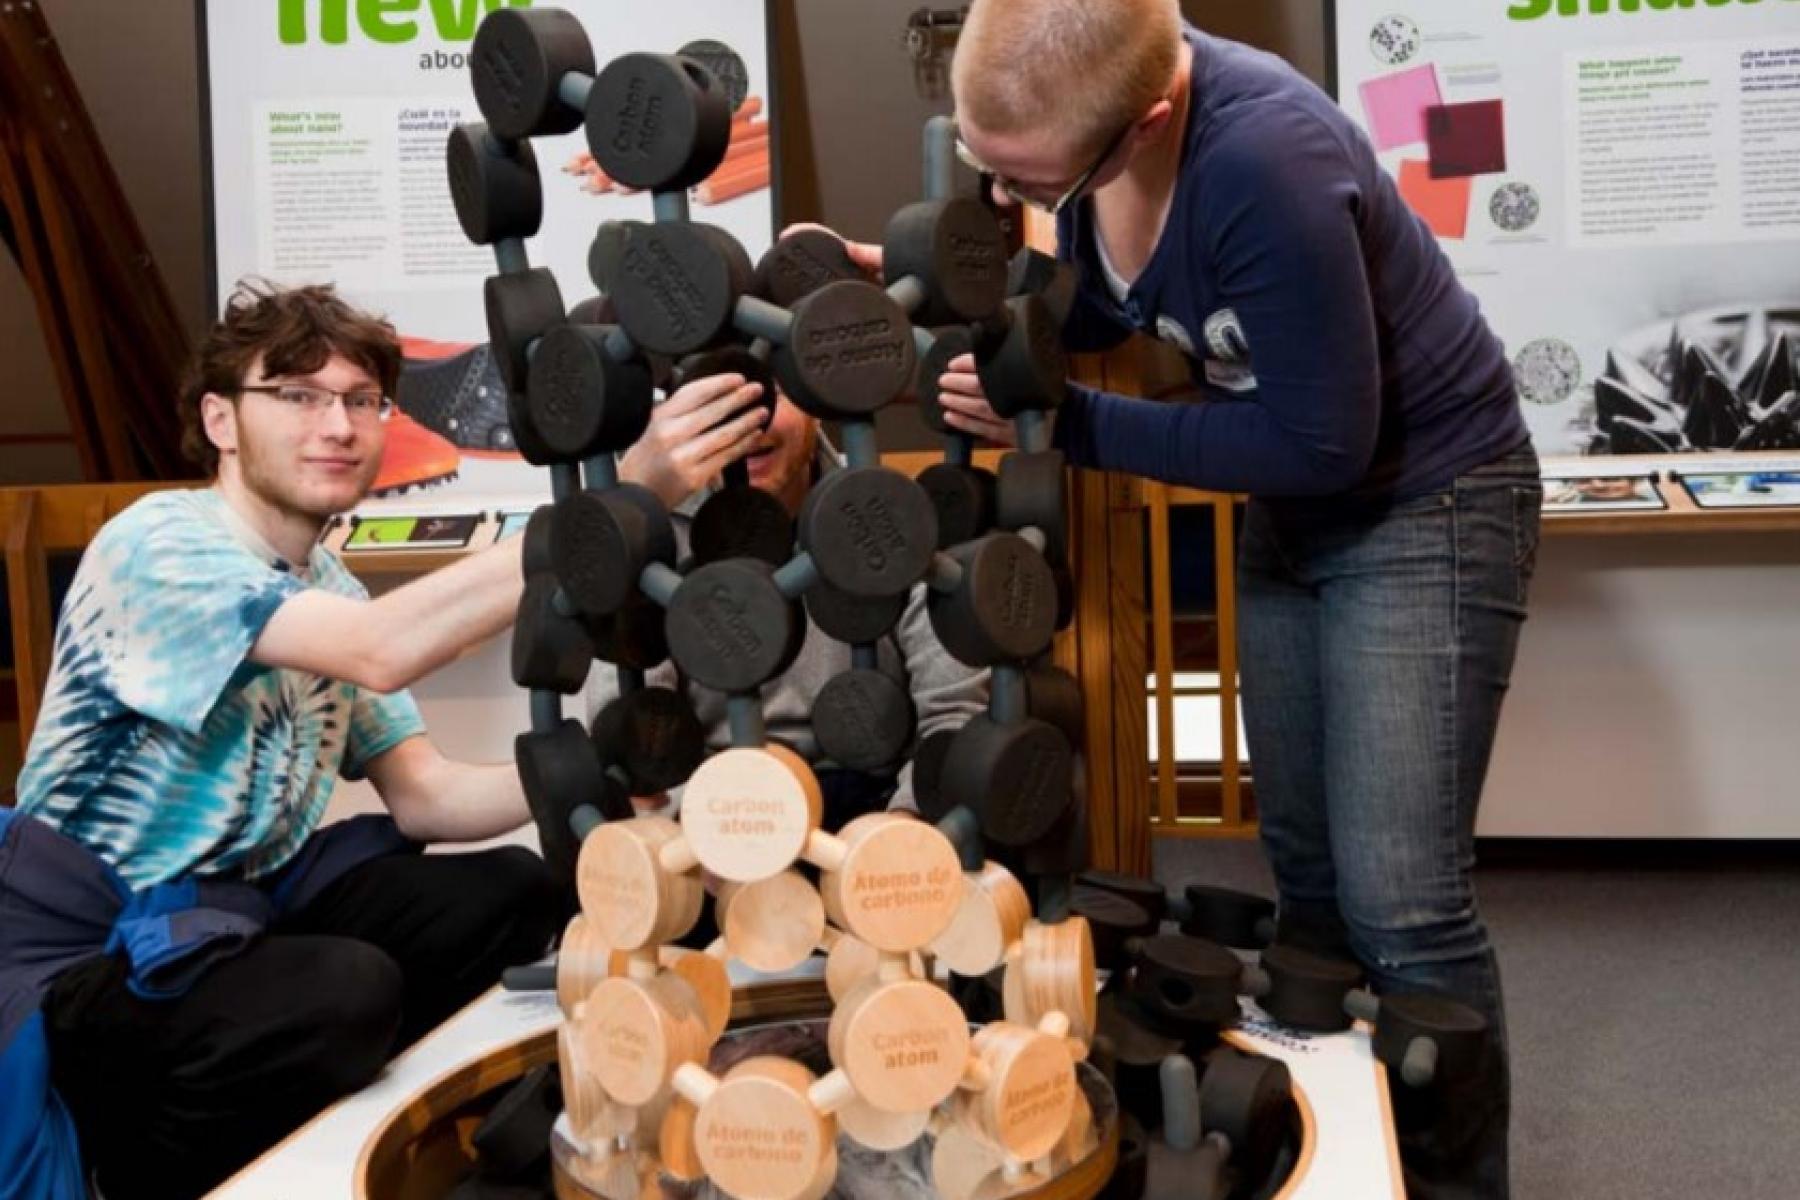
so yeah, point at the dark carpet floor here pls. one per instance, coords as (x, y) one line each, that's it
(1653, 1000)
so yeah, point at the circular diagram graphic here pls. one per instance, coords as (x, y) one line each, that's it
(1515, 207)
(1548, 371)
(1394, 40)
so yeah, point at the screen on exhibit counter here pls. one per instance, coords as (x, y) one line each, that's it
(326, 126)
(1619, 184)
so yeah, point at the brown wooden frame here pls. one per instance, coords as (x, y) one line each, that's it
(114, 337)
(37, 523)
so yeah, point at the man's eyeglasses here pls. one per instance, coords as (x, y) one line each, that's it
(1018, 191)
(361, 404)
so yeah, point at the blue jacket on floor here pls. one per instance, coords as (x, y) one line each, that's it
(61, 904)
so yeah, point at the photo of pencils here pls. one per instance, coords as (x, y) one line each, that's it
(744, 169)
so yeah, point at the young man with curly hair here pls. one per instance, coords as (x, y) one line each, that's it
(195, 966)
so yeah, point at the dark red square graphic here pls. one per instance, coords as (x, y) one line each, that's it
(1466, 139)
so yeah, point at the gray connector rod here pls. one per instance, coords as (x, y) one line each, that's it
(959, 450)
(602, 472)
(1203, 1171)
(760, 319)
(1363, 1005)
(659, 582)
(1006, 695)
(546, 710)
(940, 157)
(1056, 898)
(631, 680)
(670, 206)
(1034, 431)
(963, 828)
(923, 340)
(797, 576)
(861, 449)
(1179, 910)
(565, 480)
(619, 344)
(743, 712)
(1419, 1067)
(805, 744)
(908, 293)
(1181, 1102)
(945, 575)
(573, 88)
(510, 256)
(540, 977)
(865, 656)
(584, 820)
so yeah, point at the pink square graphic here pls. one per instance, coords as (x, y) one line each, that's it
(1395, 105)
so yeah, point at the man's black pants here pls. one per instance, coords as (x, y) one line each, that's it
(171, 1097)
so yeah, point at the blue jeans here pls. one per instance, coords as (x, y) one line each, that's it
(1376, 643)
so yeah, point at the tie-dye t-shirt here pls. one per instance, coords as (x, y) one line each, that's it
(160, 745)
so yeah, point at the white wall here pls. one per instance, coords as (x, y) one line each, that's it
(1656, 692)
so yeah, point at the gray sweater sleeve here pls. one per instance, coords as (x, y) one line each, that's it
(945, 691)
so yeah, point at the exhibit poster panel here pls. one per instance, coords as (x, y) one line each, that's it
(327, 122)
(1618, 182)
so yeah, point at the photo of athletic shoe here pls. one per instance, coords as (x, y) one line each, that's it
(454, 390)
(414, 458)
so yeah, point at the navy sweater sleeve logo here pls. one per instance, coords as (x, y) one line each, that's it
(1227, 352)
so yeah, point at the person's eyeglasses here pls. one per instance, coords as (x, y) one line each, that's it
(361, 404)
(1023, 196)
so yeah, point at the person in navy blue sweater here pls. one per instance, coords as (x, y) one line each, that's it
(1213, 198)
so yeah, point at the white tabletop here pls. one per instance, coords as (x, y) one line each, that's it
(1339, 1077)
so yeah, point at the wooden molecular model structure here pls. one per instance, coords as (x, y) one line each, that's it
(898, 894)
(642, 1017)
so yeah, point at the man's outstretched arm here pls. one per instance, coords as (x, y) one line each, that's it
(436, 799)
(389, 642)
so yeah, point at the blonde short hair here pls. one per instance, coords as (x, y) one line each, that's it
(1086, 66)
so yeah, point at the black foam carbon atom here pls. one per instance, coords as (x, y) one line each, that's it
(517, 64)
(494, 185)
(1015, 777)
(871, 530)
(729, 626)
(863, 719)
(658, 121)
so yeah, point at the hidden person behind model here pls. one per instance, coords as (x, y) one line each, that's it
(1212, 198)
(188, 969)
